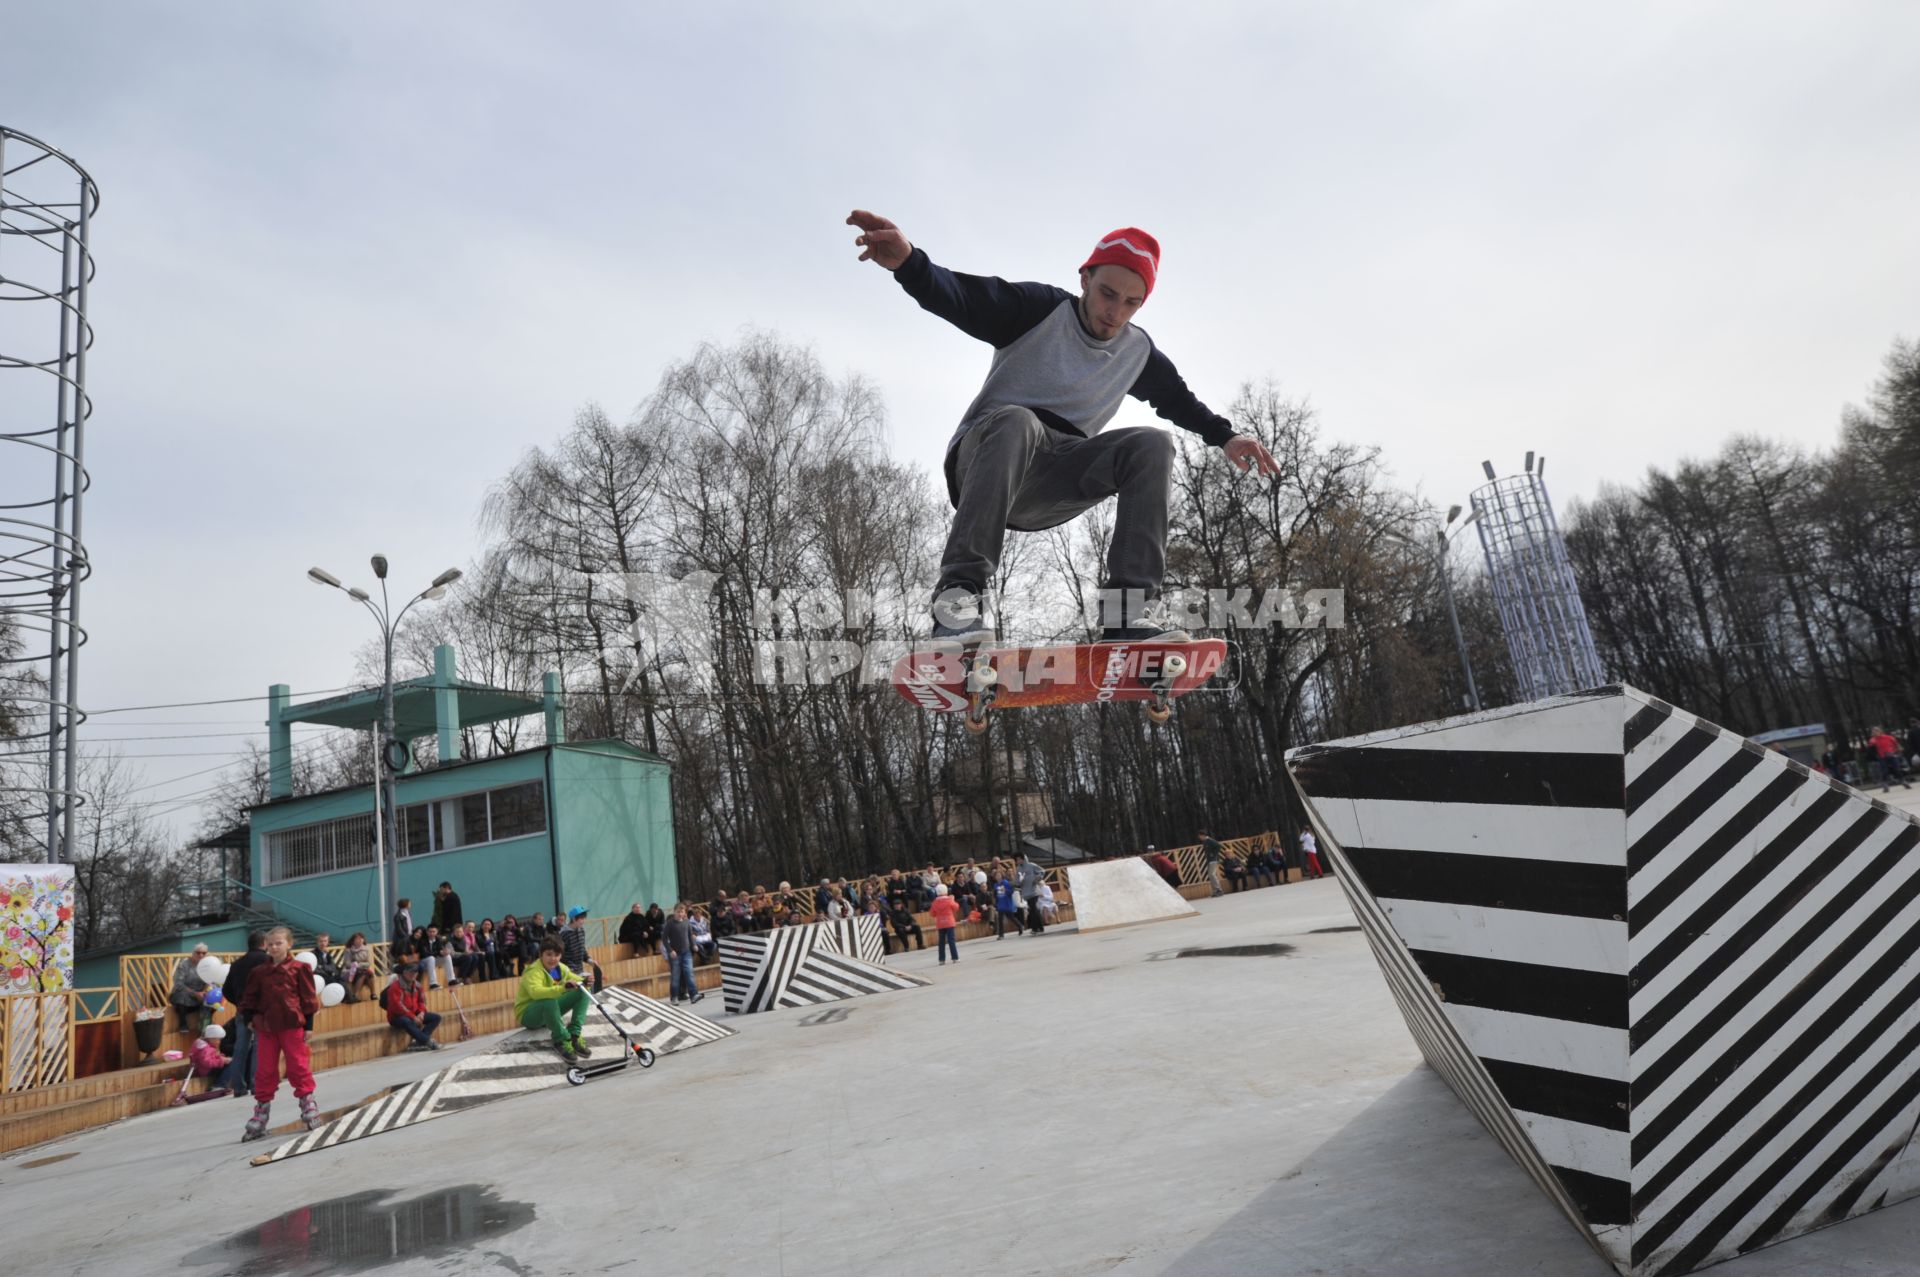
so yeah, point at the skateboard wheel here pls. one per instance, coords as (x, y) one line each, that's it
(1159, 713)
(644, 1056)
(576, 1077)
(1175, 665)
(975, 724)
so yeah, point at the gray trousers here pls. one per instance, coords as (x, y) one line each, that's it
(1012, 471)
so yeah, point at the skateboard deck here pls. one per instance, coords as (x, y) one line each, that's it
(949, 681)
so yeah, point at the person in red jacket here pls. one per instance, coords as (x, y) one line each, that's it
(1887, 750)
(946, 913)
(280, 1002)
(406, 1004)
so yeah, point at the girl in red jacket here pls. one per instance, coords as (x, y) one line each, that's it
(279, 1003)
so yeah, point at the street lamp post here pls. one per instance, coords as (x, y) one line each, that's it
(1453, 615)
(387, 856)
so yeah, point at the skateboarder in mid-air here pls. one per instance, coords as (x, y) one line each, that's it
(1030, 453)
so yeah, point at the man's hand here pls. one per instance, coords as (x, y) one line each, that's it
(1247, 452)
(880, 241)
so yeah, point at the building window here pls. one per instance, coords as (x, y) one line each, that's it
(327, 847)
(445, 824)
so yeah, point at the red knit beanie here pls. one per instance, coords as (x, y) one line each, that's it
(1130, 247)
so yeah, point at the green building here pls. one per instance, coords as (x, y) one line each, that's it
(581, 823)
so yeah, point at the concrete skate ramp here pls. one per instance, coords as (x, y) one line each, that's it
(1675, 974)
(1119, 893)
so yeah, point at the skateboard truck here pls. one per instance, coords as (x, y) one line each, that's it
(982, 682)
(1160, 709)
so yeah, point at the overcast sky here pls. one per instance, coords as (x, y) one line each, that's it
(356, 258)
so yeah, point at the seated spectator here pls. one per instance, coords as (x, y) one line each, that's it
(204, 1057)
(904, 925)
(656, 924)
(720, 916)
(508, 942)
(356, 967)
(836, 906)
(1236, 871)
(535, 934)
(704, 945)
(550, 998)
(406, 1005)
(1049, 910)
(633, 931)
(189, 992)
(436, 958)
(323, 964)
(898, 892)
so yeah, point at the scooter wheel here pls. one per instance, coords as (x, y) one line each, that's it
(576, 1077)
(645, 1056)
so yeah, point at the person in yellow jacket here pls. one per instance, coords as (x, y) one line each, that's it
(551, 998)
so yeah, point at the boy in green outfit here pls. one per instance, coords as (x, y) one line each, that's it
(551, 998)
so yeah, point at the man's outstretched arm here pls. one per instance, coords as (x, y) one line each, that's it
(982, 306)
(1161, 385)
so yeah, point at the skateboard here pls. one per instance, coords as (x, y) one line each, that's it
(974, 681)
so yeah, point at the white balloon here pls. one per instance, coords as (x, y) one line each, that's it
(209, 970)
(309, 959)
(319, 984)
(226, 969)
(333, 995)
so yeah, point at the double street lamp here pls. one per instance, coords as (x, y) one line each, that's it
(394, 754)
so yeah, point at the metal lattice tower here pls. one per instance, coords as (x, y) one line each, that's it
(1533, 587)
(47, 204)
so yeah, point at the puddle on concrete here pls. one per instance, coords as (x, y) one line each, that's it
(357, 1232)
(47, 1161)
(1236, 951)
(1327, 931)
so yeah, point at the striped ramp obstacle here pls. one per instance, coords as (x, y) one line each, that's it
(1675, 974)
(519, 1064)
(662, 1026)
(802, 966)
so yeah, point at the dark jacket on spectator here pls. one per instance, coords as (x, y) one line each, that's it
(235, 988)
(633, 930)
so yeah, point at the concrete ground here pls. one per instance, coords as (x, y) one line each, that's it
(1056, 1105)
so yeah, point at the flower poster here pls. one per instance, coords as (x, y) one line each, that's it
(36, 928)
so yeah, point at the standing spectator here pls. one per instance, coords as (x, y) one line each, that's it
(240, 1069)
(1163, 865)
(573, 944)
(281, 1001)
(633, 930)
(676, 946)
(1886, 750)
(1031, 876)
(402, 921)
(189, 993)
(1310, 855)
(406, 1003)
(1006, 904)
(446, 909)
(904, 925)
(356, 966)
(945, 910)
(1210, 853)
